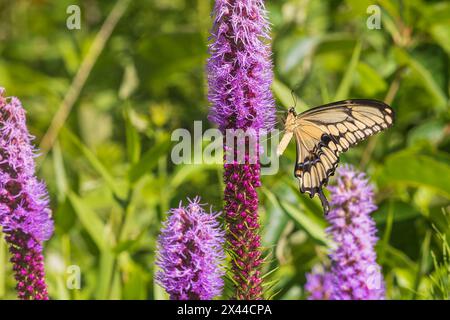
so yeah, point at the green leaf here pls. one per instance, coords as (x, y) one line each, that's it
(397, 259)
(129, 245)
(149, 159)
(276, 220)
(415, 169)
(60, 172)
(346, 83)
(284, 94)
(184, 172)
(309, 204)
(130, 81)
(89, 219)
(369, 80)
(298, 51)
(441, 34)
(94, 161)
(313, 228)
(132, 135)
(105, 274)
(135, 282)
(432, 131)
(425, 76)
(396, 211)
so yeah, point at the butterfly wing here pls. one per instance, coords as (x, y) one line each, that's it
(322, 133)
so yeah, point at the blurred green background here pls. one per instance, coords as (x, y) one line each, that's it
(109, 172)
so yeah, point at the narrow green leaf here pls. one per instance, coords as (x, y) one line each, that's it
(105, 272)
(346, 83)
(60, 172)
(441, 34)
(284, 94)
(149, 159)
(426, 78)
(276, 221)
(94, 161)
(132, 135)
(89, 219)
(306, 223)
(398, 259)
(185, 172)
(300, 49)
(422, 264)
(130, 81)
(370, 81)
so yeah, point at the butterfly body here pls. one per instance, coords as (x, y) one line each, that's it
(323, 132)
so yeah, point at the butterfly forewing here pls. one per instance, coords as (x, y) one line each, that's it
(322, 133)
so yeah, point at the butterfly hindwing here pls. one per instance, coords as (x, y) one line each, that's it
(322, 133)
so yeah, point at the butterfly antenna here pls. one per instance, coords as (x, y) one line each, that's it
(271, 136)
(294, 97)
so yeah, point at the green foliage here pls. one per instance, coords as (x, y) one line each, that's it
(109, 173)
(440, 277)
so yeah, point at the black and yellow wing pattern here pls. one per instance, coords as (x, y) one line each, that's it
(323, 132)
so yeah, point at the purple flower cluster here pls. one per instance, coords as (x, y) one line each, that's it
(24, 212)
(240, 76)
(240, 68)
(319, 284)
(190, 254)
(354, 272)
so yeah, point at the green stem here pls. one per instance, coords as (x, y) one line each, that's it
(2, 266)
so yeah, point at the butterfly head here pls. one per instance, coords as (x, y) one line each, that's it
(289, 123)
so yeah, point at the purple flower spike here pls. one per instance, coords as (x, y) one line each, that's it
(319, 284)
(356, 274)
(25, 216)
(240, 76)
(240, 68)
(190, 254)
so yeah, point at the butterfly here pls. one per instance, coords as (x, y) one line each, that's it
(323, 132)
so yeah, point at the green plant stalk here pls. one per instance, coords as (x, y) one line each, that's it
(422, 265)
(2, 266)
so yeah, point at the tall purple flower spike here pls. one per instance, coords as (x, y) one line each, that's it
(354, 271)
(190, 253)
(356, 274)
(240, 76)
(25, 216)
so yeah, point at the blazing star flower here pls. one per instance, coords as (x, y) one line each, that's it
(25, 216)
(190, 253)
(319, 284)
(240, 75)
(356, 274)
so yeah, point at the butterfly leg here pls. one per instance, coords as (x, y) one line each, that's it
(323, 199)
